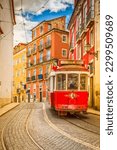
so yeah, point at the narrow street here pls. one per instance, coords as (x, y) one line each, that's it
(34, 126)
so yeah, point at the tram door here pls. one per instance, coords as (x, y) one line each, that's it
(91, 92)
(40, 94)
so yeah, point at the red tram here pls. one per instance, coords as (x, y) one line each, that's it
(68, 87)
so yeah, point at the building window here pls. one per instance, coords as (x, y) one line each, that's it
(41, 57)
(78, 51)
(79, 23)
(34, 72)
(72, 39)
(85, 13)
(64, 38)
(29, 51)
(34, 59)
(84, 45)
(34, 33)
(29, 74)
(91, 67)
(29, 63)
(23, 58)
(48, 55)
(41, 29)
(48, 38)
(18, 73)
(64, 53)
(92, 37)
(41, 42)
(49, 27)
(35, 47)
(40, 70)
(34, 86)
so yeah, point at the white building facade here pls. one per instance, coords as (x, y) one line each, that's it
(7, 20)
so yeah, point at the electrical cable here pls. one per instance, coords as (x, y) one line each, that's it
(42, 6)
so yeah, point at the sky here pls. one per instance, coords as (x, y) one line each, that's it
(29, 13)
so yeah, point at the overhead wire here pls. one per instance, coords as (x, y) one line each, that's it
(42, 6)
(23, 22)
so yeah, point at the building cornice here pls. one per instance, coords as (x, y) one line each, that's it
(45, 34)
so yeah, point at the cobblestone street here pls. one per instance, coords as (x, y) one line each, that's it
(34, 126)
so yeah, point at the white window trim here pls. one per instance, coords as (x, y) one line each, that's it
(66, 38)
(92, 29)
(62, 52)
(84, 52)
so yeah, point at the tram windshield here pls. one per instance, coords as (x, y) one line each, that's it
(83, 82)
(71, 81)
(61, 82)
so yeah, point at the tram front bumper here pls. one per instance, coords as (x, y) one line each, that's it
(71, 108)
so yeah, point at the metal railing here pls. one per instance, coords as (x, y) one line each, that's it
(33, 78)
(90, 15)
(48, 44)
(41, 47)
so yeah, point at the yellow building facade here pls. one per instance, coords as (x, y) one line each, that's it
(19, 73)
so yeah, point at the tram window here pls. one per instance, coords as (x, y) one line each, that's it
(72, 81)
(83, 82)
(61, 82)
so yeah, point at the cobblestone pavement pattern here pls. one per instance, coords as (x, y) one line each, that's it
(16, 137)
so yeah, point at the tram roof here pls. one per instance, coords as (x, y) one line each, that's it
(72, 68)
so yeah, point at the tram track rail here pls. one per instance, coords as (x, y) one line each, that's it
(65, 133)
(80, 117)
(81, 127)
(26, 128)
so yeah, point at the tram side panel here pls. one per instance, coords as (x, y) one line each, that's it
(70, 101)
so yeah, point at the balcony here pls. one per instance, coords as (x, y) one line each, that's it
(90, 17)
(33, 78)
(78, 36)
(40, 47)
(83, 29)
(40, 76)
(71, 47)
(48, 44)
(28, 54)
(28, 79)
(33, 51)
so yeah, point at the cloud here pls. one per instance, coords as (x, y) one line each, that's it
(30, 9)
(22, 30)
(38, 6)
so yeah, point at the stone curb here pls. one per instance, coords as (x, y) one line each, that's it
(1, 114)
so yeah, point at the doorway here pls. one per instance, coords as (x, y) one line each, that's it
(91, 92)
(40, 94)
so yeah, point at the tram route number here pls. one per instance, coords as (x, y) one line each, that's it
(109, 43)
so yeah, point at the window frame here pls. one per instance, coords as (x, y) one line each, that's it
(64, 35)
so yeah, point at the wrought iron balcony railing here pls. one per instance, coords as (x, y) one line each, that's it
(40, 47)
(33, 78)
(48, 44)
(28, 79)
(90, 16)
(40, 76)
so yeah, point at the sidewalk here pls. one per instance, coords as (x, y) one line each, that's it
(93, 111)
(7, 108)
